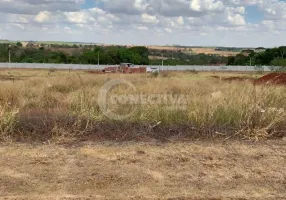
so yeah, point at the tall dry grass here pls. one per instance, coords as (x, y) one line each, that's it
(64, 107)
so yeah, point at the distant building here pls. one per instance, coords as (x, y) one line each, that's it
(44, 45)
(246, 52)
(30, 44)
(259, 50)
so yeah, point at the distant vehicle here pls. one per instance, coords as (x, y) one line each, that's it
(152, 69)
(126, 68)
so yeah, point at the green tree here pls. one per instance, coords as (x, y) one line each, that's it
(241, 59)
(19, 44)
(279, 62)
(282, 51)
(230, 60)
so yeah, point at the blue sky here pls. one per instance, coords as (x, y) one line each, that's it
(253, 14)
(147, 22)
(88, 4)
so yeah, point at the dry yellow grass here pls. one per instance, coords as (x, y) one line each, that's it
(197, 170)
(61, 108)
(64, 102)
(211, 51)
(204, 50)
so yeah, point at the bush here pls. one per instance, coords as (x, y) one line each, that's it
(51, 70)
(279, 62)
(155, 74)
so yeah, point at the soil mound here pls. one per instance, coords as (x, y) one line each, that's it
(272, 78)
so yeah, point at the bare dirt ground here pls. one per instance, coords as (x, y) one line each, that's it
(183, 170)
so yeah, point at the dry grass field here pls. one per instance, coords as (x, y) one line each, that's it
(211, 51)
(226, 142)
(173, 171)
(38, 105)
(203, 50)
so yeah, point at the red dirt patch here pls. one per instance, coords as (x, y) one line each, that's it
(272, 78)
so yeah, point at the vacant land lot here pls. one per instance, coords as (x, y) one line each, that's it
(53, 105)
(211, 51)
(196, 170)
(204, 50)
(226, 141)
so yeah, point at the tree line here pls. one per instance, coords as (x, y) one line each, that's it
(95, 55)
(183, 58)
(272, 57)
(138, 55)
(90, 54)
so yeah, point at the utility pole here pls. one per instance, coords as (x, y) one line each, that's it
(9, 53)
(97, 58)
(162, 61)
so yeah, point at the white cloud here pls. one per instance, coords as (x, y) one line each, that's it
(43, 16)
(142, 28)
(202, 22)
(206, 5)
(168, 30)
(235, 19)
(180, 20)
(149, 19)
(76, 17)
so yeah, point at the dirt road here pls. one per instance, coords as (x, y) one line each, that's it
(185, 170)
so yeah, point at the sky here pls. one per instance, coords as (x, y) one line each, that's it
(233, 23)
